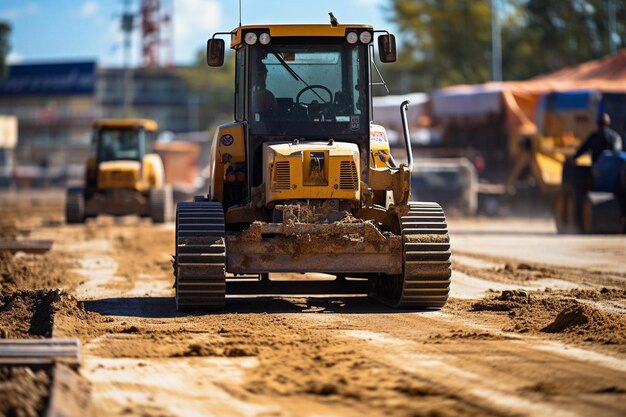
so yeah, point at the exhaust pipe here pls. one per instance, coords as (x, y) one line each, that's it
(407, 137)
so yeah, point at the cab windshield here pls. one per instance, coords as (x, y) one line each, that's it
(120, 144)
(308, 90)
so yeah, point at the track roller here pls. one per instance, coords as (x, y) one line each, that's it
(426, 257)
(199, 264)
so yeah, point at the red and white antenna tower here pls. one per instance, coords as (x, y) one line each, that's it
(157, 32)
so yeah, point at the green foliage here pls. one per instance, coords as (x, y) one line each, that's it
(213, 87)
(5, 47)
(561, 33)
(446, 42)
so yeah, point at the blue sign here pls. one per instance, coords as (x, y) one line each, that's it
(35, 79)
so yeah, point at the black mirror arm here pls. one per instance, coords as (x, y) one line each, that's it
(221, 33)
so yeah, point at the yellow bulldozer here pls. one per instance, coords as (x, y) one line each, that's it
(304, 182)
(123, 177)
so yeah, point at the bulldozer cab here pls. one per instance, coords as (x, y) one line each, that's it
(320, 90)
(125, 140)
(304, 83)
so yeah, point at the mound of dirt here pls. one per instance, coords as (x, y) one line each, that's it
(576, 315)
(31, 272)
(572, 316)
(197, 349)
(23, 392)
(31, 313)
(604, 294)
(27, 211)
(591, 323)
(506, 301)
(8, 230)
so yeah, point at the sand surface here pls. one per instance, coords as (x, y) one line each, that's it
(535, 326)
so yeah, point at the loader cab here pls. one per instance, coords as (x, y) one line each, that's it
(121, 147)
(123, 140)
(121, 144)
(301, 83)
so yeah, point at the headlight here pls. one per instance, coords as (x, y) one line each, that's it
(365, 37)
(264, 38)
(250, 38)
(352, 37)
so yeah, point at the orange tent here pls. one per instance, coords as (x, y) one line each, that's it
(519, 99)
(610, 69)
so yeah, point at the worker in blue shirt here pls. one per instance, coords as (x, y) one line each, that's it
(603, 139)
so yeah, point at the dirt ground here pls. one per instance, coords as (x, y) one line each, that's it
(535, 326)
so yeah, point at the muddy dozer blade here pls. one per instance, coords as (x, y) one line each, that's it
(27, 246)
(351, 249)
(39, 351)
(309, 287)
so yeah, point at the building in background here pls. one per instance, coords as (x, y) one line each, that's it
(158, 93)
(56, 104)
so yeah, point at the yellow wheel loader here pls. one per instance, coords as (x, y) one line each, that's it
(123, 177)
(304, 182)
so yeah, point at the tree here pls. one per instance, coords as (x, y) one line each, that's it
(560, 33)
(444, 42)
(213, 87)
(5, 47)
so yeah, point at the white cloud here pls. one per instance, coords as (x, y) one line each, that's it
(89, 8)
(14, 58)
(194, 22)
(14, 12)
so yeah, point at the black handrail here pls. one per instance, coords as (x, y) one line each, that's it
(407, 137)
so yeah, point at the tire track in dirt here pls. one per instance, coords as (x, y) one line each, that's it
(510, 270)
(511, 374)
(315, 356)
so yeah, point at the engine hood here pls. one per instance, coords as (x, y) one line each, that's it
(288, 149)
(120, 166)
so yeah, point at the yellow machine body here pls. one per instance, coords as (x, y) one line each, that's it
(301, 31)
(311, 171)
(132, 175)
(123, 177)
(138, 175)
(303, 182)
(228, 152)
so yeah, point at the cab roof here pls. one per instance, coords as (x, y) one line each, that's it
(147, 124)
(309, 30)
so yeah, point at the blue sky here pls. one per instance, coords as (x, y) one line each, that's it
(89, 29)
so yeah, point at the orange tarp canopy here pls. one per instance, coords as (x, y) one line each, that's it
(519, 99)
(611, 69)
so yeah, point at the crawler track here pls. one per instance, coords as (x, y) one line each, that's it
(200, 256)
(426, 254)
